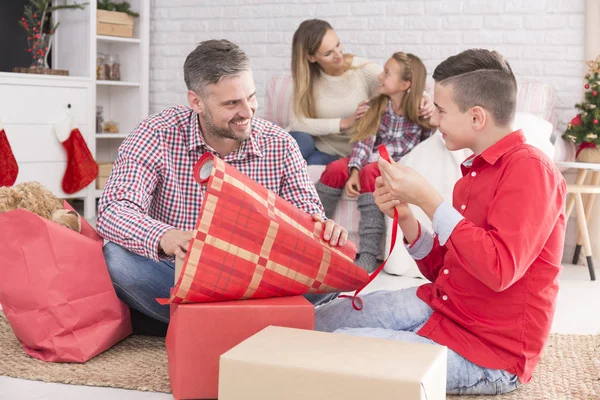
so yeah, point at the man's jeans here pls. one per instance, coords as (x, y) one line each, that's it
(138, 281)
(398, 315)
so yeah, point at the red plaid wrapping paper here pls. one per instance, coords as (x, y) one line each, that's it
(250, 243)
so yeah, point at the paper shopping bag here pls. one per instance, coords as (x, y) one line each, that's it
(250, 243)
(56, 291)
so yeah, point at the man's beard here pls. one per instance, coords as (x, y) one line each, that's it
(211, 129)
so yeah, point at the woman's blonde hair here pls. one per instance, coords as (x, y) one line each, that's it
(306, 42)
(412, 70)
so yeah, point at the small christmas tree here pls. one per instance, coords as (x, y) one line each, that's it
(584, 129)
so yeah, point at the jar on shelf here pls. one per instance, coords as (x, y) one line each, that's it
(115, 69)
(99, 119)
(100, 66)
(108, 63)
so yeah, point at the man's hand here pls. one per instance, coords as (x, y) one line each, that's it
(175, 242)
(353, 183)
(333, 232)
(426, 106)
(407, 186)
(387, 204)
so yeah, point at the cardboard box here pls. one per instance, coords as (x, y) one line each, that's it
(113, 23)
(199, 333)
(101, 182)
(104, 169)
(292, 364)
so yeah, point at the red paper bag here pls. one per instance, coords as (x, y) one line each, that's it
(55, 289)
(250, 243)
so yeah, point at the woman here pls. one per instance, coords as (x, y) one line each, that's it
(331, 92)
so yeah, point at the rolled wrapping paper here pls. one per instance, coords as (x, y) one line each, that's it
(250, 243)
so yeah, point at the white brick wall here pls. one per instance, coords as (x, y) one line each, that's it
(543, 39)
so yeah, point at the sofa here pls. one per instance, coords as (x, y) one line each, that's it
(535, 115)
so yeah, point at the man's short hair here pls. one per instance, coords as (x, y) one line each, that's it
(212, 60)
(481, 78)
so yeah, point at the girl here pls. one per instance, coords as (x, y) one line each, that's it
(392, 119)
(330, 92)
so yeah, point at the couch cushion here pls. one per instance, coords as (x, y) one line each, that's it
(536, 98)
(279, 100)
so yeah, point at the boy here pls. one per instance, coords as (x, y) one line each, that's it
(495, 256)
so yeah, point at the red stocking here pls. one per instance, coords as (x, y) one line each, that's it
(8, 165)
(81, 166)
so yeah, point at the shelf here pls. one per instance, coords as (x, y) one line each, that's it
(117, 83)
(116, 39)
(111, 135)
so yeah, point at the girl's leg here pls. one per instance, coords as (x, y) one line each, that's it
(331, 184)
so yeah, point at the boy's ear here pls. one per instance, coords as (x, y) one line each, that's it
(478, 117)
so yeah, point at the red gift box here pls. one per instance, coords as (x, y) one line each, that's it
(251, 243)
(199, 333)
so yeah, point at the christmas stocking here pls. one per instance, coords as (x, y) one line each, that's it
(81, 166)
(8, 164)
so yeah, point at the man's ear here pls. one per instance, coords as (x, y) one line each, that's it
(196, 102)
(478, 117)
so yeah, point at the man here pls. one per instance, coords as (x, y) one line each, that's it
(495, 256)
(151, 202)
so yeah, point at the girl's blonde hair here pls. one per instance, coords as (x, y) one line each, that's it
(413, 71)
(307, 40)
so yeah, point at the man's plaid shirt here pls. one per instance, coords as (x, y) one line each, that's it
(397, 133)
(151, 188)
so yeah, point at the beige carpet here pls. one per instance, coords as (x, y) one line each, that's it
(569, 370)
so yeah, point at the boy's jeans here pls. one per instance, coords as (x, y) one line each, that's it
(138, 281)
(398, 315)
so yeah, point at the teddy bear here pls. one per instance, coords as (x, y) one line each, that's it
(34, 197)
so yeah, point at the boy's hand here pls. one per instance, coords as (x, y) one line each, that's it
(407, 186)
(332, 232)
(387, 204)
(353, 184)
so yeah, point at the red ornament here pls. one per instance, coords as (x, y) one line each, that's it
(595, 122)
(594, 93)
(576, 121)
(34, 15)
(587, 86)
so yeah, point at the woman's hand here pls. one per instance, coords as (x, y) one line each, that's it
(426, 106)
(348, 122)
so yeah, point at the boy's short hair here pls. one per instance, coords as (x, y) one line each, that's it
(481, 78)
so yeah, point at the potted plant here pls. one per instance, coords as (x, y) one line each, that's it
(114, 18)
(37, 23)
(584, 129)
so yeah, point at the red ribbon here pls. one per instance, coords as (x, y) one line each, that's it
(357, 302)
(585, 145)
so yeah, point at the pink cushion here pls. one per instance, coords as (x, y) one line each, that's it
(536, 98)
(279, 100)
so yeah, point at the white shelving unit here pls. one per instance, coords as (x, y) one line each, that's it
(125, 101)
